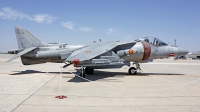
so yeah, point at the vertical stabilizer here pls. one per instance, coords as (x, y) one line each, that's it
(26, 39)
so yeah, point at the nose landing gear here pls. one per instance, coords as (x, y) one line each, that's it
(133, 70)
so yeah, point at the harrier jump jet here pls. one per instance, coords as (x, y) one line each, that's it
(98, 55)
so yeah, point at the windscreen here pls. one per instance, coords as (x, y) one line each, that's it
(154, 41)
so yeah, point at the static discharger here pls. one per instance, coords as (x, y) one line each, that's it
(131, 51)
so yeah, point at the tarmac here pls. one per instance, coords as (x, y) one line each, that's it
(164, 85)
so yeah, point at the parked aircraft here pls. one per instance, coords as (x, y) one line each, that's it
(98, 55)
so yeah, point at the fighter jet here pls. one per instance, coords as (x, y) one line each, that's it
(98, 55)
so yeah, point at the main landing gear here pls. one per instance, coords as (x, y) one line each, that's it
(82, 74)
(86, 71)
(133, 70)
(89, 70)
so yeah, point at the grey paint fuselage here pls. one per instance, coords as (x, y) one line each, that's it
(94, 55)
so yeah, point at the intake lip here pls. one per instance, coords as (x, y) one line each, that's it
(147, 51)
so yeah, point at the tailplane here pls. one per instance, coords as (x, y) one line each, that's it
(26, 39)
(26, 43)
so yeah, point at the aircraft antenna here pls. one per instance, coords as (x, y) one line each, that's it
(175, 41)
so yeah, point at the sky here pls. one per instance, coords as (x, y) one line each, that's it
(85, 21)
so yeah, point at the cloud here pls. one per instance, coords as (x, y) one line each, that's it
(10, 14)
(86, 29)
(112, 32)
(40, 18)
(69, 25)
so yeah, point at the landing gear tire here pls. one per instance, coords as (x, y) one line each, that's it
(89, 70)
(132, 71)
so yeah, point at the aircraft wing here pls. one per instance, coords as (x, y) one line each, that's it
(22, 53)
(93, 50)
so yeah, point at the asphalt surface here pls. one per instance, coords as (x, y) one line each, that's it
(164, 85)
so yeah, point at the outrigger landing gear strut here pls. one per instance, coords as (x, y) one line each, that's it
(82, 72)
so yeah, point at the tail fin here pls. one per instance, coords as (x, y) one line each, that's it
(26, 39)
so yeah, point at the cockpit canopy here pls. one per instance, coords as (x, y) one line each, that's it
(153, 41)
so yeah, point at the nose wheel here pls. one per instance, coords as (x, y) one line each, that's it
(132, 71)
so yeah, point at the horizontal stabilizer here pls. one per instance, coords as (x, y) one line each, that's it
(22, 53)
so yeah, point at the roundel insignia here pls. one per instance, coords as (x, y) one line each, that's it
(171, 54)
(131, 51)
(88, 52)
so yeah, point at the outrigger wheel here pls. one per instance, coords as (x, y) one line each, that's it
(132, 71)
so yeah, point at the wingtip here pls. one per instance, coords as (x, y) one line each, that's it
(17, 27)
(9, 60)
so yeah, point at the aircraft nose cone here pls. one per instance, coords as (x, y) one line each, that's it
(182, 52)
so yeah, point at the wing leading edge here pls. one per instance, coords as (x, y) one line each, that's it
(94, 50)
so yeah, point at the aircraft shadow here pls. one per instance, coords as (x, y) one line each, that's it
(147, 74)
(34, 71)
(100, 76)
